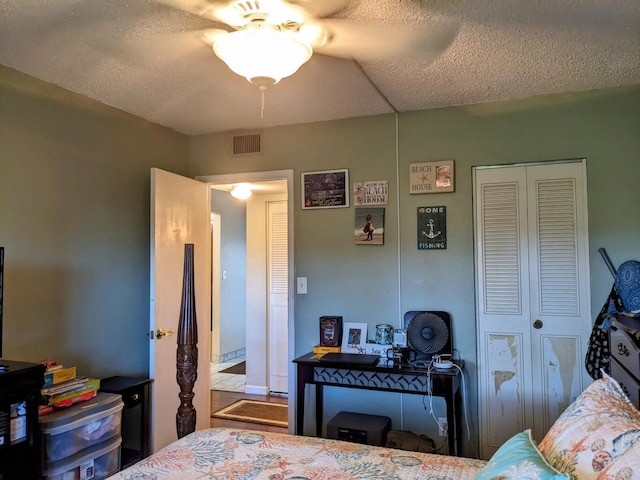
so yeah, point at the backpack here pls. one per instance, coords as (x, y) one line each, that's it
(598, 353)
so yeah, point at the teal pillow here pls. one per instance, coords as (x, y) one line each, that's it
(519, 458)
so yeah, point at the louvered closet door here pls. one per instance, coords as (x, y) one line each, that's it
(533, 307)
(278, 296)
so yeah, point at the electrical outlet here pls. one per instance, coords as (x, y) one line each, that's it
(442, 426)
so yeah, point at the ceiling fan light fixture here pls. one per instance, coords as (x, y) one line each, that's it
(262, 55)
(241, 191)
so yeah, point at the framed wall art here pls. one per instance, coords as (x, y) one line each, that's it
(354, 338)
(369, 226)
(432, 228)
(372, 192)
(327, 189)
(431, 177)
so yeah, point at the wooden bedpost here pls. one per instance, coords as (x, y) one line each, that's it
(187, 353)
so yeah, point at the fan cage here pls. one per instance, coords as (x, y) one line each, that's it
(422, 326)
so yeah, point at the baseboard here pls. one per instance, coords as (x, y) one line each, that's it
(226, 357)
(256, 390)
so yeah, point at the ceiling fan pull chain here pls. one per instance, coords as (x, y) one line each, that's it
(262, 90)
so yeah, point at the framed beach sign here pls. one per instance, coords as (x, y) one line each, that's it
(431, 177)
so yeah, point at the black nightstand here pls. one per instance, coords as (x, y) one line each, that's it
(136, 415)
(20, 385)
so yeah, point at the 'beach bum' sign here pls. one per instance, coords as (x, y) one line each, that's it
(432, 228)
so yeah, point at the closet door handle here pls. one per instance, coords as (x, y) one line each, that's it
(538, 324)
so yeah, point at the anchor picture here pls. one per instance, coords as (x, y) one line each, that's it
(431, 234)
(432, 228)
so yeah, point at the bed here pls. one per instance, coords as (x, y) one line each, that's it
(597, 437)
(226, 453)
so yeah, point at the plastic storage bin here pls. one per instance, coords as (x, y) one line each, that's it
(95, 463)
(71, 430)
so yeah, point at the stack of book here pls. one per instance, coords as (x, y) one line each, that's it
(322, 349)
(63, 388)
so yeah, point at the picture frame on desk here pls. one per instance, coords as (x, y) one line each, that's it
(354, 337)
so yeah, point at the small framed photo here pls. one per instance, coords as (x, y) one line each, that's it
(354, 338)
(369, 226)
(328, 189)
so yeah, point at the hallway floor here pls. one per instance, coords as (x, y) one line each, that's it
(221, 399)
(230, 382)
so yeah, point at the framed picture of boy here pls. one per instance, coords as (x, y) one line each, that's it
(354, 337)
(369, 226)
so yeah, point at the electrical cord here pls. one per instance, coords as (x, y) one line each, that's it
(429, 396)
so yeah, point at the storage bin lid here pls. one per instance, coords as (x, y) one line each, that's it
(82, 457)
(81, 413)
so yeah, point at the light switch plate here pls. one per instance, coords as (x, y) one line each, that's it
(301, 285)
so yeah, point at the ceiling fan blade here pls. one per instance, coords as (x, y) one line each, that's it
(320, 8)
(209, 35)
(230, 11)
(366, 42)
(202, 8)
(166, 49)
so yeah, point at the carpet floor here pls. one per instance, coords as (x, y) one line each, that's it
(255, 411)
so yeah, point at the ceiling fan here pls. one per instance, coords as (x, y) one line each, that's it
(267, 40)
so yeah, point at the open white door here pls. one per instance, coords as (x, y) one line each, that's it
(180, 209)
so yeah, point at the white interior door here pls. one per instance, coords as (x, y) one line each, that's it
(277, 297)
(533, 302)
(179, 214)
(216, 234)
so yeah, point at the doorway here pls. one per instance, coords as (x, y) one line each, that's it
(252, 307)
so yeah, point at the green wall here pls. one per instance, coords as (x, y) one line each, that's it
(233, 259)
(74, 221)
(377, 284)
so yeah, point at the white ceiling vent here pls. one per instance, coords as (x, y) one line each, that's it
(246, 144)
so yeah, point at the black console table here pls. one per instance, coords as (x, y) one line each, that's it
(385, 377)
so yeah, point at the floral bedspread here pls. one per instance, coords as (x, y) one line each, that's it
(231, 454)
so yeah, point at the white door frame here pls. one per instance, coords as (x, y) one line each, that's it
(286, 175)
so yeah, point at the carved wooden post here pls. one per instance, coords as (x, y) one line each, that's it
(187, 354)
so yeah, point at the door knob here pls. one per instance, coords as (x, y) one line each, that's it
(162, 333)
(537, 324)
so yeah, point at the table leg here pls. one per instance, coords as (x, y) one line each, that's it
(451, 419)
(459, 420)
(302, 383)
(319, 406)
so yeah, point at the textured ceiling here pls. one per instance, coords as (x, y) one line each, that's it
(148, 57)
